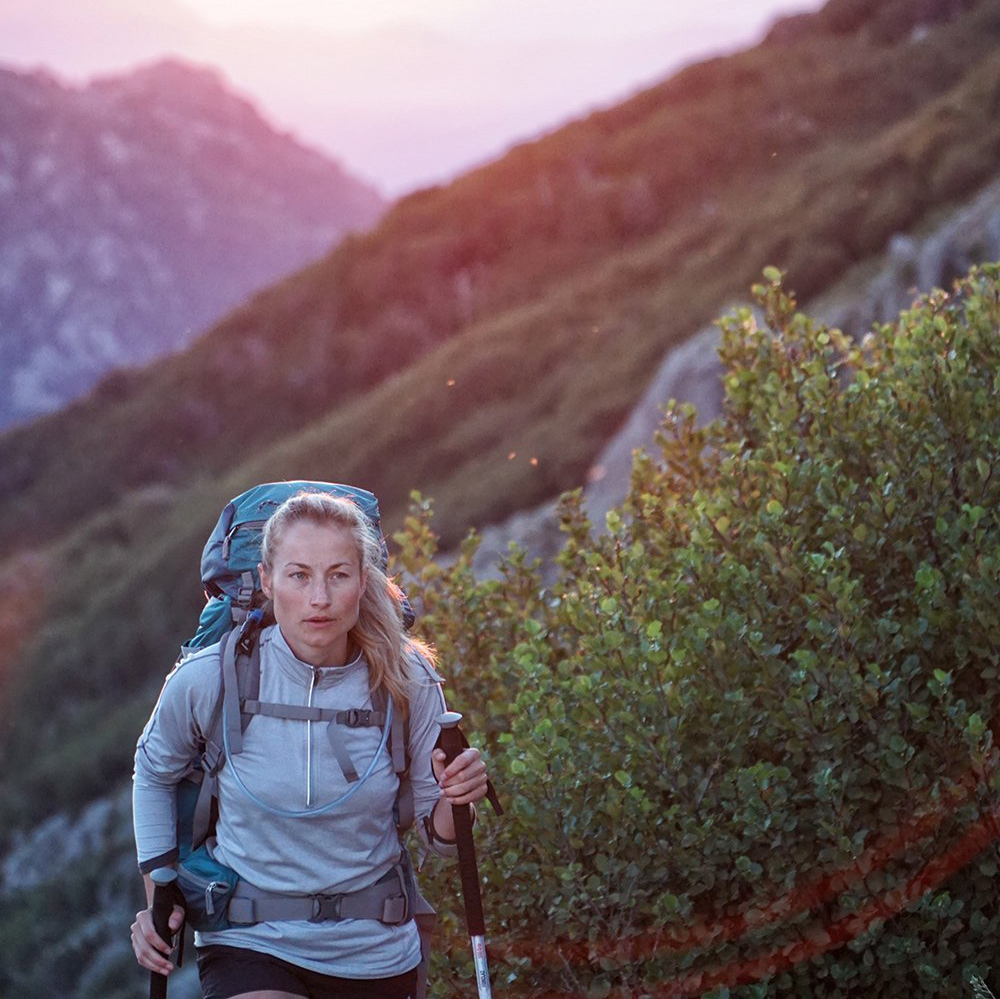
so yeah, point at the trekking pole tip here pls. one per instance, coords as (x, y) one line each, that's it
(449, 719)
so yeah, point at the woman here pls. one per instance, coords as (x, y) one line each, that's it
(338, 635)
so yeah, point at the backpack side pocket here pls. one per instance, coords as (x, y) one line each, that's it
(207, 887)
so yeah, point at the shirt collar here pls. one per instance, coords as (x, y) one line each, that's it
(301, 672)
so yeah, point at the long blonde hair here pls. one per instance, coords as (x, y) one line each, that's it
(379, 632)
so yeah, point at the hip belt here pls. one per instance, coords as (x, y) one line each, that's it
(388, 901)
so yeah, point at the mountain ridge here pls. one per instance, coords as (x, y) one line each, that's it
(137, 209)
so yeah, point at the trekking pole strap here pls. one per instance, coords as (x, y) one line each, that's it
(468, 870)
(491, 791)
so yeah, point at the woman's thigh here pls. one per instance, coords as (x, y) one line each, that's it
(237, 973)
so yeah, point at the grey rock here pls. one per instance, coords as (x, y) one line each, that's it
(45, 852)
(875, 291)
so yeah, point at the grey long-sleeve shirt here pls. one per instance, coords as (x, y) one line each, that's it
(290, 765)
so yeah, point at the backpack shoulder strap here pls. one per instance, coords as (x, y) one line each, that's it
(399, 743)
(248, 680)
(239, 669)
(232, 723)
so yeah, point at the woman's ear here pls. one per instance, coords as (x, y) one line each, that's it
(265, 580)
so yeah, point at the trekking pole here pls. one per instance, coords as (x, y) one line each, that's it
(451, 743)
(163, 905)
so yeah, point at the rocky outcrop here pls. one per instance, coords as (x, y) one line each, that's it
(137, 210)
(873, 292)
(96, 846)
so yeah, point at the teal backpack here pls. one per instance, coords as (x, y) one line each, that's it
(232, 553)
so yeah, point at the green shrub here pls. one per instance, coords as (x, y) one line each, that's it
(747, 738)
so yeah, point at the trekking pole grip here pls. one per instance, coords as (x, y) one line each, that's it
(163, 905)
(451, 743)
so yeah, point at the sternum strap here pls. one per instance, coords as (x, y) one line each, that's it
(354, 718)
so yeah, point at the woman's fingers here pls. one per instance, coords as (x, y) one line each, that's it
(468, 760)
(458, 796)
(149, 949)
(176, 919)
(464, 779)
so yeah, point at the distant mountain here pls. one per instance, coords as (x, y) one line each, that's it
(137, 210)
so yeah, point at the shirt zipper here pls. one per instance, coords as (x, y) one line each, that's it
(312, 684)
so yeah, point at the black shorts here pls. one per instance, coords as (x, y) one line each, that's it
(231, 971)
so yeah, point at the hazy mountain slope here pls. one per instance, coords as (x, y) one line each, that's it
(87, 855)
(135, 211)
(875, 291)
(546, 382)
(92, 617)
(680, 177)
(508, 411)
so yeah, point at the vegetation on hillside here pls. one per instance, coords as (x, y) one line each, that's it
(748, 740)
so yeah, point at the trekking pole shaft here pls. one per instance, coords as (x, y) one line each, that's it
(163, 906)
(482, 968)
(451, 743)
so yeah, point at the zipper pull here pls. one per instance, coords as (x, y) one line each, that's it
(210, 898)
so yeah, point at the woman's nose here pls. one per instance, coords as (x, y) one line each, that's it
(319, 593)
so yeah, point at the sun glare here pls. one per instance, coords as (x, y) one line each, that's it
(334, 15)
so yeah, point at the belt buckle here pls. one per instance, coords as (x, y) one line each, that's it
(321, 908)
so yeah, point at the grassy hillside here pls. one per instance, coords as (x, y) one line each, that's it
(517, 312)
(681, 192)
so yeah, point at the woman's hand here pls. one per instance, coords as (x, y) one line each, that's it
(463, 781)
(149, 949)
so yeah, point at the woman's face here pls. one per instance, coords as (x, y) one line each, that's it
(315, 585)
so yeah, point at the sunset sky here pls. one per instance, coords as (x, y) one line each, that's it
(558, 18)
(403, 92)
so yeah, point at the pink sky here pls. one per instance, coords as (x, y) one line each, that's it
(404, 93)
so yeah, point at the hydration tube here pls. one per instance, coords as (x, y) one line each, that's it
(320, 810)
